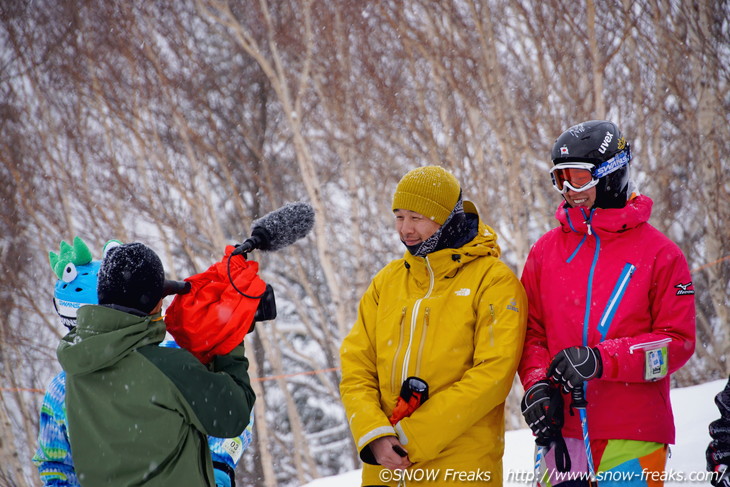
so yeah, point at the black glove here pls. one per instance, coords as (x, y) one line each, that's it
(542, 408)
(718, 451)
(722, 401)
(573, 366)
(720, 430)
(724, 478)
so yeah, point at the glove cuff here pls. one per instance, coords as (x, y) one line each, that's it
(535, 384)
(599, 362)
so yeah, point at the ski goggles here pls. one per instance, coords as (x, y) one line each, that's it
(580, 176)
(577, 176)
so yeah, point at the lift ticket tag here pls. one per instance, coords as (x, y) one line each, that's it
(655, 367)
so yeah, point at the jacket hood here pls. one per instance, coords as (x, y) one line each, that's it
(104, 335)
(446, 261)
(605, 220)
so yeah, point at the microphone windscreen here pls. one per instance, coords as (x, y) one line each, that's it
(285, 225)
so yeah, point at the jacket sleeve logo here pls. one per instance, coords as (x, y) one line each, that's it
(684, 289)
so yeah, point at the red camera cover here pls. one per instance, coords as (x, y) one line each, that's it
(213, 318)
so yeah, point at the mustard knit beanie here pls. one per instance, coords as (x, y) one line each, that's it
(431, 191)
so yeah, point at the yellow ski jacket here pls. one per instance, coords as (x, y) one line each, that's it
(455, 319)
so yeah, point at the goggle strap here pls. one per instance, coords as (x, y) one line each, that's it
(613, 164)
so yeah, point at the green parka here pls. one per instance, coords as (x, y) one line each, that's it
(456, 319)
(138, 413)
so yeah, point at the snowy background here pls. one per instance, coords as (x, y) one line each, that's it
(694, 409)
(177, 124)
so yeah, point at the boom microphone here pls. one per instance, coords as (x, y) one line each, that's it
(279, 228)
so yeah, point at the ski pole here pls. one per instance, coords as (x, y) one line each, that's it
(579, 402)
(541, 452)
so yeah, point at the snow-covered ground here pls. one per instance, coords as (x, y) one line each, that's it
(694, 409)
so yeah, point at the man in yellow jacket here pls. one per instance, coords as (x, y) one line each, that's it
(453, 316)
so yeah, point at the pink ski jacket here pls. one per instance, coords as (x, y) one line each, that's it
(607, 278)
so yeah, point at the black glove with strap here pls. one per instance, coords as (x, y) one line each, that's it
(718, 459)
(542, 408)
(718, 451)
(572, 366)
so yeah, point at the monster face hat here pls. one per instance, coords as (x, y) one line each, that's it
(77, 277)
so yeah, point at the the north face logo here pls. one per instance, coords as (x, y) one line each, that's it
(465, 291)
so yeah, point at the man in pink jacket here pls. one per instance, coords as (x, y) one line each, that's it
(611, 316)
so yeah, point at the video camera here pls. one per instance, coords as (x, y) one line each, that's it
(265, 311)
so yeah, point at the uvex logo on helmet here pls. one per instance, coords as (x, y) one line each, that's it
(606, 140)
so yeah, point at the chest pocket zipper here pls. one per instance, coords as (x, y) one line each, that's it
(395, 387)
(414, 322)
(618, 292)
(426, 315)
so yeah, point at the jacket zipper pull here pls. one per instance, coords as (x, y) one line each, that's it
(587, 220)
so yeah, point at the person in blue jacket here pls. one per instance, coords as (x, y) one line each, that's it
(76, 287)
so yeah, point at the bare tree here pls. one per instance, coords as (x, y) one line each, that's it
(179, 124)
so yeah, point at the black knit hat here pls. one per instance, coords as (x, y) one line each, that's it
(131, 275)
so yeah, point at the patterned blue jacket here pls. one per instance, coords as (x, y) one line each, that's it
(53, 456)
